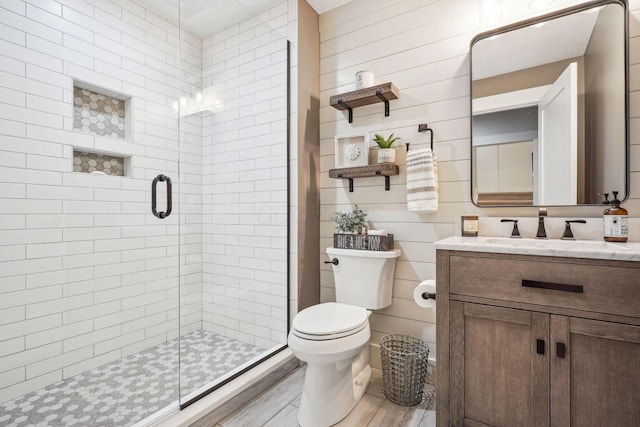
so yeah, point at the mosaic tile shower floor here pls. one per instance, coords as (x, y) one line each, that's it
(124, 392)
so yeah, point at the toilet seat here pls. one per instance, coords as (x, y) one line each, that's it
(329, 321)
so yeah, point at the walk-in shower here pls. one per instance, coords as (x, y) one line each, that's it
(143, 203)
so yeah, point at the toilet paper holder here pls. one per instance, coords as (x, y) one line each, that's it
(424, 294)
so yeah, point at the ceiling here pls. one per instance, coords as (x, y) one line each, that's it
(322, 6)
(206, 17)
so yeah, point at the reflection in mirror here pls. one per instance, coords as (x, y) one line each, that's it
(549, 109)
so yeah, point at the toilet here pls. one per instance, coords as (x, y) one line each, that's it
(333, 337)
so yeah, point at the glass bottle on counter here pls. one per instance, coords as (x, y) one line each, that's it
(615, 221)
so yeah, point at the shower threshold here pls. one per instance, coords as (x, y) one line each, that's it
(133, 388)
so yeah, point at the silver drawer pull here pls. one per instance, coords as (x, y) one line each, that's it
(552, 286)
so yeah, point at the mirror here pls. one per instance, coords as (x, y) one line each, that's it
(549, 109)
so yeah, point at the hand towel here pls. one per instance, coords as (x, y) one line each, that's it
(422, 181)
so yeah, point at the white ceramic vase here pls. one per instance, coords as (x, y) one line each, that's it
(386, 155)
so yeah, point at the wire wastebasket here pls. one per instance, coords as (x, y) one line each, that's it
(404, 368)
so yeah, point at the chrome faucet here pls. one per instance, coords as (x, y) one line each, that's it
(542, 233)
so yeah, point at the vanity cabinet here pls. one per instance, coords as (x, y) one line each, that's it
(529, 340)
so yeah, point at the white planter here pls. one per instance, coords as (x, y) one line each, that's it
(386, 155)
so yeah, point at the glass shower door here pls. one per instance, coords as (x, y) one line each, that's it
(234, 167)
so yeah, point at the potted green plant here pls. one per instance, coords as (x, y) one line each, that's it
(350, 222)
(386, 154)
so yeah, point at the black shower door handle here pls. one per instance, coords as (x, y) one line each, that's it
(154, 184)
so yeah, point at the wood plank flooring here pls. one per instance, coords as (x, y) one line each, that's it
(278, 407)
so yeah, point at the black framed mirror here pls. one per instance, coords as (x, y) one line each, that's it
(550, 109)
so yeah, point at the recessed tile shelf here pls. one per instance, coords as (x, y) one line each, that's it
(382, 169)
(370, 95)
(87, 162)
(99, 114)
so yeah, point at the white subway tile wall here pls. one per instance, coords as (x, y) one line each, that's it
(244, 185)
(422, 47)
(87, 274)
(86, 290)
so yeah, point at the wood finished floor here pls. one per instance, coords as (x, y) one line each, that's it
(278, 407)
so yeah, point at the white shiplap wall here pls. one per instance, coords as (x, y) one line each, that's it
(422, 47)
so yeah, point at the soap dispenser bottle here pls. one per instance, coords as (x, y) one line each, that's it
(616, 221)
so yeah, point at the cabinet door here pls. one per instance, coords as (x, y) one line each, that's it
(499, 366)
(596, 382)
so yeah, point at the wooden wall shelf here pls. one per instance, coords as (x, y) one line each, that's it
(370, 95)
(382, 169)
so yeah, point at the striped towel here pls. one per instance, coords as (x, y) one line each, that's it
(422, 181)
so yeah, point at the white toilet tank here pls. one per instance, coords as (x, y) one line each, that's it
(364, 278)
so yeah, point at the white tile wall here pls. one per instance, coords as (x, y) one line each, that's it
(88, 275)
(243, 205)
(422, 47)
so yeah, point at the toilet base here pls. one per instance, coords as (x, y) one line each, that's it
(331, 391)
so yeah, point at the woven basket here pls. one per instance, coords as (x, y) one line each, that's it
(404, 368)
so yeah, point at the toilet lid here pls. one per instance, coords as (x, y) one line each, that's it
(330, 318)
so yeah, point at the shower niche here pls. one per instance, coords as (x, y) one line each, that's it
(100, 112)
(98, 163)
(105, 114)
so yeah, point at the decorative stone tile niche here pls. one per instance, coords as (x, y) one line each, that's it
(98, 114)
(94, 162)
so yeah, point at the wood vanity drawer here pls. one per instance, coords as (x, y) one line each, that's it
(592, 285)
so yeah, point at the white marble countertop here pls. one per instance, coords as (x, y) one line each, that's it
(594, 249)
